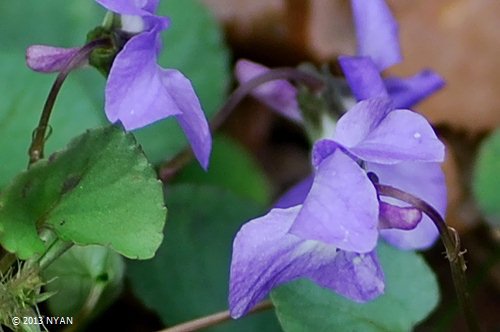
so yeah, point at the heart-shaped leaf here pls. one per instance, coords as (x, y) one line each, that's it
(99, 190)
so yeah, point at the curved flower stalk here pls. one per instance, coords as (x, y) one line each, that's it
(138, 91)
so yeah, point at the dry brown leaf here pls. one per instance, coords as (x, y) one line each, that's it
(460, 40)
(287, 31)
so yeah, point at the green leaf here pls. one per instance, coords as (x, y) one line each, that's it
(486, 184)
(84, 276)
(411, 294)
(99, 190)
(49, 22)
(192, 44)
(231, 167)
(21, 105)
(79, 105)
(188, 277)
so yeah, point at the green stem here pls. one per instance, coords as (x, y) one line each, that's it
(213, 319)
(111, 20)
(451, 242)
(55, 251)
(40, 133)
(174, 165)
(55, 248)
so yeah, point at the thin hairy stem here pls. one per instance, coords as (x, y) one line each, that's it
(451, 241)
(170, 168)
(40, 133)
(213, 319)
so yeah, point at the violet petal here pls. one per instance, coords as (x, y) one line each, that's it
(402, 135)
(363, 77)
(296, 194)
(279, 95)
(406, 92)
(427, 182)
(130, 7)
(265, 256)
(135, 92)
(49, 59)
(192, 119)
(322, 149)
(355, 125)
(392, 216)
(376, 32)
(341, 208)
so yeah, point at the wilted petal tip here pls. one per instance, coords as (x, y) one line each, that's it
(49, 59)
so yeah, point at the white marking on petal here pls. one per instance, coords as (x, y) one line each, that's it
(309, 245)
(358, 259)
(417, 135)
(132, 23)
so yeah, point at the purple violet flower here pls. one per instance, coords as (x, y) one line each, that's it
(424, 179)
(326, 228)
(331, 235)
(138, 91)
(377, 36)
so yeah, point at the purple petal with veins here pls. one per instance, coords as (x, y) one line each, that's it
(192, 119)
(402, 135)
(391, 216)
(376, 32)
(49, 59)
(265, 255)
(363, 77)
(341, 208)
(406, 92)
